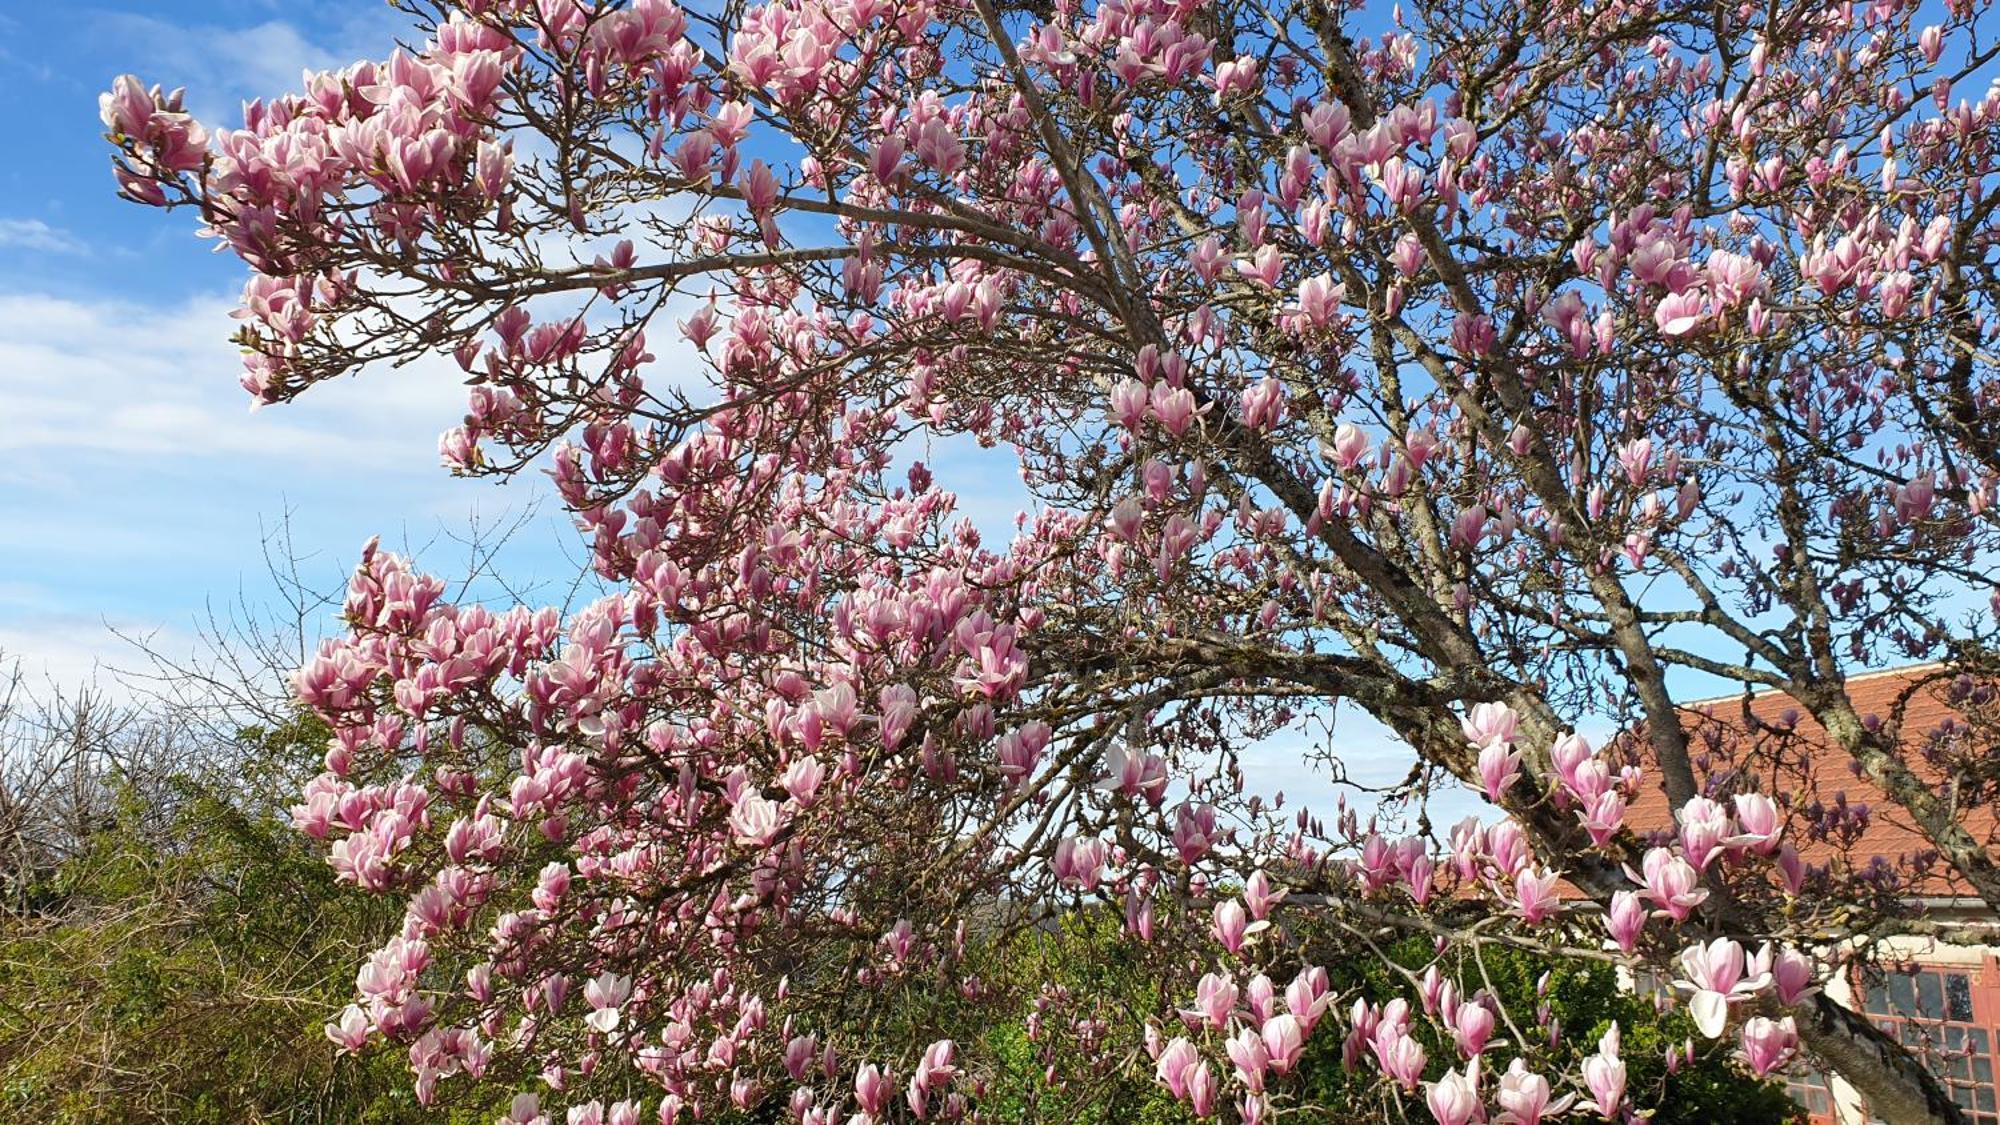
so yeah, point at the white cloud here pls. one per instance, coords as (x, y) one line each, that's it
(98, 379)
(222, 66)
(65, 652)
(136, 483)
(34, 234)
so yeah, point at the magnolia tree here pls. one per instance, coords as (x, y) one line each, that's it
(1484, 366)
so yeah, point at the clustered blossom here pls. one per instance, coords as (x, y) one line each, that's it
(1714, 978)
(1389, 364)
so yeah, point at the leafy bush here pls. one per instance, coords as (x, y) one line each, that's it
(179, 968)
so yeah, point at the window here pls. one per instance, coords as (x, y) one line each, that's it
(1929, 1009)
(1810, 1090)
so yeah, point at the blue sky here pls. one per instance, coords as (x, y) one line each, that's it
(136, 486)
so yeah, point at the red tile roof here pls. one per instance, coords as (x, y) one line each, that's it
(1834, 814)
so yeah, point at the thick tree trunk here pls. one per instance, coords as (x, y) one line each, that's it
(1899, 1089)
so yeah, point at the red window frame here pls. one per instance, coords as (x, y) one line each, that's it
(1813, 1091)
(1949, 1012)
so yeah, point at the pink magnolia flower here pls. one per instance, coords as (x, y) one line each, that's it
(1419, 872)
(1567, 754)
(800, 1051)
(1498, 768)
(1507, 846)
(1401, 1058)
(1251, 1058)
(1525, 1097)
(1670, 883)
(1307, 997)
(1768, 1043)
(1264, 267)
(1319, 299)
(1215, 1000)
(1430, 989)
(1931, 42)
(1264, 404)
(1468, 843)
(1284, 1040)
(1733, 278)
(1260, 996)
(1472, 1026)
(1326, 124)
(1625, 919)
(1658, 261)
(1232, 926)
(1490, 724)
(1129, 399)
(1757, 822)
(872, 1088)
(1791, 869)
(1467, 529)
(526, 1109)
(350, 1032)
(1173, 408)
(937, 1066)
(1535, 894)
(1705, 830)
(1260, 896)
(1792, 972)
(1208, 259)
(606, 994)
(1079, 862)
(1238, 76)
(1679, 314)
(1350, 445)
(1603, 815)
(754, 821)
(1176, 1059)
(1378, 862)
(760, 189)
(1126, 519)
(1604, 1075)
(802, 780)
(1195, 831)
(1454, 1098)
(1636, 456)
(1202, 1089)
(1715, 976)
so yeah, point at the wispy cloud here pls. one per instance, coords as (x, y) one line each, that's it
(221, 65)
(82, 379)
(34, 234)
(67, 651)
(136, 483)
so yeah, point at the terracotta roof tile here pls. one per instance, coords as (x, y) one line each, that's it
(1792, 761)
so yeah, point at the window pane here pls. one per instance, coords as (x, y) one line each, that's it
(1958, 997)
(1902, 995)
(1979, 1039)
(1930, 995)
(1986, 1097)
(1982, 1068)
